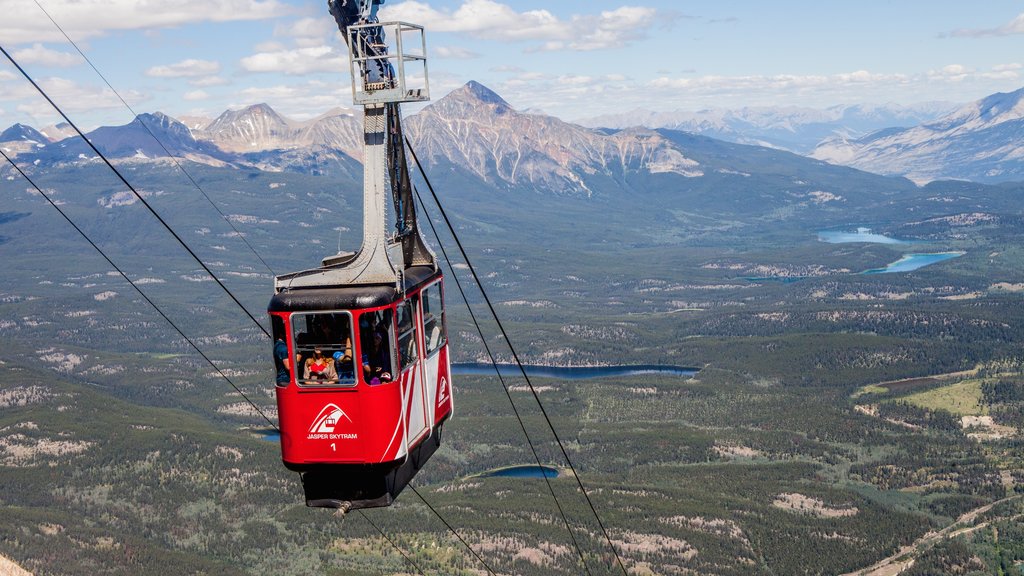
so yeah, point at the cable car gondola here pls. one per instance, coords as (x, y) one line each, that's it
(361, 348)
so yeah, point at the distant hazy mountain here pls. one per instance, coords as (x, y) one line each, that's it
(58, 131)
(135, 140)
(981, 141)
(787, 127)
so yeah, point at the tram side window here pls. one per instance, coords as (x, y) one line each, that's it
(323, 349)
(407, 331)
(376, 335)
(433, 318)
(282, 364)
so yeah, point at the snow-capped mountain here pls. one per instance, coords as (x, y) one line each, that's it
(790, 128)
(981, 141)
(20, 138)
(136, 140)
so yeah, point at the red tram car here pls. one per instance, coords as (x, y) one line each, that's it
(369, 387)
(360, 344)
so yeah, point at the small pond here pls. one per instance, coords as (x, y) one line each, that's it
(268, 434)
(861, 235)
(525, 471)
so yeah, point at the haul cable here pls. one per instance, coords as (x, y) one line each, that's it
(137, 289)
(156, 139)
(393, 545)
(515, 356)
(176, 236)
(214, 276)
(452, 530)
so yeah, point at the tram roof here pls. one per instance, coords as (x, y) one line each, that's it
(350, 297)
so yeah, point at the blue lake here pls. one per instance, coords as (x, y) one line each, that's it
(526, 471)
(269, 435)
(861, 235)
(782, 279)
(572, 373)
(911, 262)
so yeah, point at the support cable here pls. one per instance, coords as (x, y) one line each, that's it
(157, 140)
(452, 530)
(217, 280)
(134, 191)
(139, 290)
(180, 241)
(181, 333)
(392, 542)
(504, 385)
(515, 355)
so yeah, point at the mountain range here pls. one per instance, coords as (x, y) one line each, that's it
(792, 128)
(980, 141)
(475, 132)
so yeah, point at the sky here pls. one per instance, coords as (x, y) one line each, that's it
(573, 59)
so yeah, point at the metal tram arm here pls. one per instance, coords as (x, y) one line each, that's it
(381, 81)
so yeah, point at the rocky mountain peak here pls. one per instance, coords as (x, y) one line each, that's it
(475, 129)
(159, 122)
(989, 111)
(471, 99)
(474, 89)
(254, 128)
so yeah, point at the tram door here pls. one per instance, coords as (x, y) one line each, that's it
(411, 369)
(435, 353)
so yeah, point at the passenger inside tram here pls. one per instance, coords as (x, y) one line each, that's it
(323, 348)
(375, 339)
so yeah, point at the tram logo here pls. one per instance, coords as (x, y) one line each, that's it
(442, 393)
(328, 419)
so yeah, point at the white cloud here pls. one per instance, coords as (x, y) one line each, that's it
(39, 54)
(951, 72)
(1015, 26)
(307, 32)
(714, 84)
(298, 61)
(306, 28)
(185, 69)
(270, 46)
(577, 96)
(492, 20)
(195, 95)
(1005, 67)
(453, 53)
(24, 22)
(72, 97)
(300, 101)
(208, 81)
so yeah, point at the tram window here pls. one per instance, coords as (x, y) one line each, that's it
(407, 331)
(433, 318)
(323, 349)
(376, 336)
